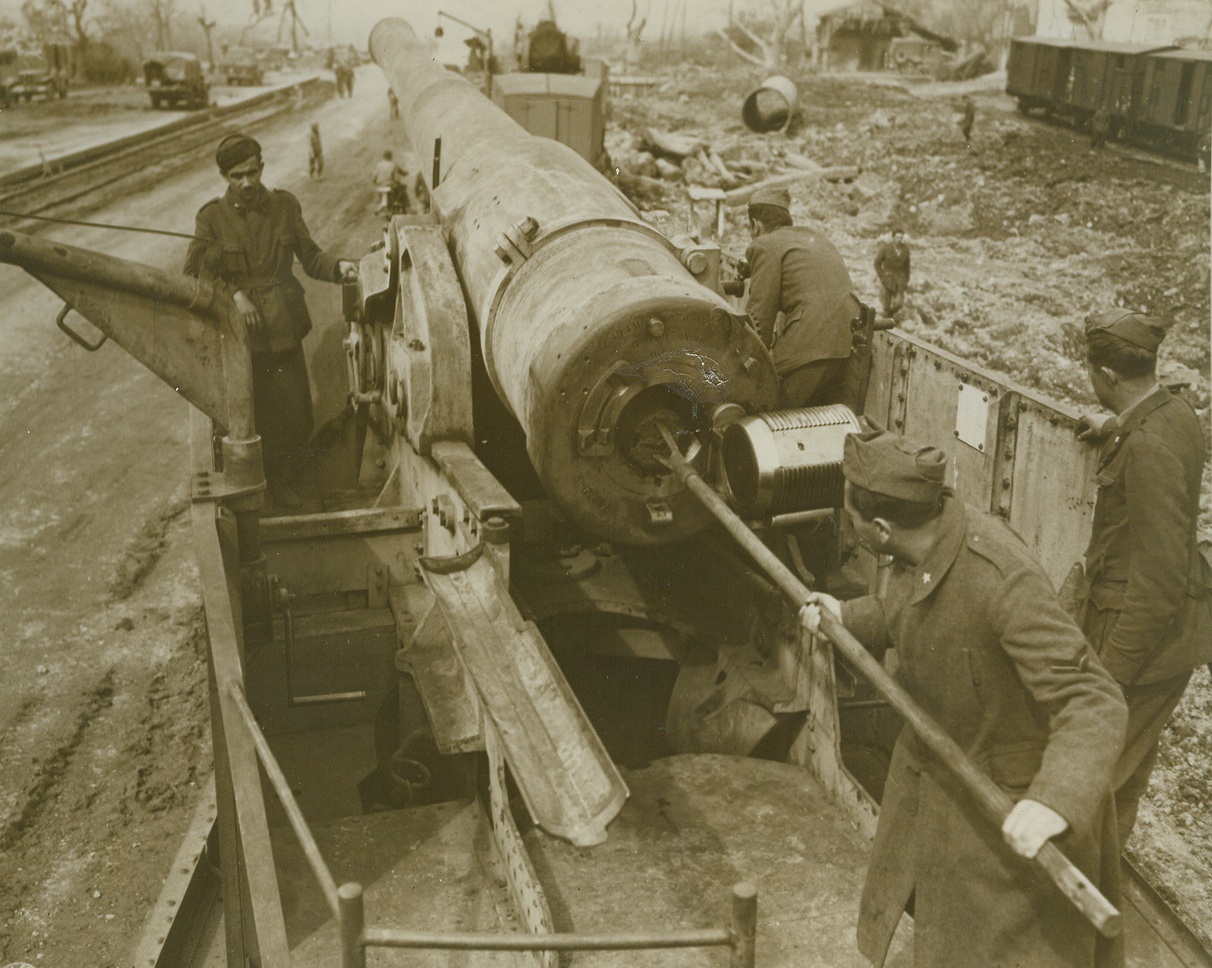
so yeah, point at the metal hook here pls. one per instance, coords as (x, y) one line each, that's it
(61, 322)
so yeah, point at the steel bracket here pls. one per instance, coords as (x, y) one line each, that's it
(213, 486)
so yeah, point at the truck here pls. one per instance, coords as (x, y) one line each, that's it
(26, 74)
(242, 66)
(528, 674)
(175, 79)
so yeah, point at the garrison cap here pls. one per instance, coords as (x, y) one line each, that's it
(1147, 332)
(894, 466)
(234, 149)
(777, 197)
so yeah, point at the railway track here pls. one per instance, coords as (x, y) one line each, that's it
(1166, 923)
(88, 178)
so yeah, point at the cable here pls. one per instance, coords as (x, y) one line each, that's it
(101, 225)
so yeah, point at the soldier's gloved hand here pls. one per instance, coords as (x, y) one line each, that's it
(347, 271)
(1095, 427)
(248, 312)
(1029, 825)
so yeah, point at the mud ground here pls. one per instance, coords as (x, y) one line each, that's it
(103, 735)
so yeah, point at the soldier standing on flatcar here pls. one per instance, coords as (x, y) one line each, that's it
(1146, 600)
(983, 644)
(796, 272)
(247, 241)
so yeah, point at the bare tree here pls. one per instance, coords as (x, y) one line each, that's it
(769, 51)
(207, 26)
(1090, 15)
(632, 56)
(296, 23)
(48, 18)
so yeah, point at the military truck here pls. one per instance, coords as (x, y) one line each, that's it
(175, 79)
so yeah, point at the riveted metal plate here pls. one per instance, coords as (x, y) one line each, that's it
(972, 416)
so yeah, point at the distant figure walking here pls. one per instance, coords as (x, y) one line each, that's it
(967, 118)
(315, 153)
(1100, 127)
(892, 266)
(393, 105)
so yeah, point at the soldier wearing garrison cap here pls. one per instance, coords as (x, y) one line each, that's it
(984, 646)
(247, 241)
(1145, 592)
(801, 302)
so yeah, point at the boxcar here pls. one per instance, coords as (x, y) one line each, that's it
(1157, 96)
(1036, 68)
(1175, 108)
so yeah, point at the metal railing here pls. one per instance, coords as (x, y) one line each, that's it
(346, 902)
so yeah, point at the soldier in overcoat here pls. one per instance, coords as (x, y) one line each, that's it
(1146, 605)
(801, 302)
(984, 646)
(247, 241)
(892, 266)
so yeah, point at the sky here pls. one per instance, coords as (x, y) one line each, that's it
(350, 21)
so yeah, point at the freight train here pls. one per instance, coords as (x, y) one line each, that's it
(1156, 96)
(527, 680)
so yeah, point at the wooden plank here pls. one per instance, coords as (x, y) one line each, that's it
(359, 521)
(235, 745)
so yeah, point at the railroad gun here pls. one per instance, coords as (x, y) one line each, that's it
(521, 680)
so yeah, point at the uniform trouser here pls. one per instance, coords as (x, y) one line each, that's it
(813, 384)
(282, 409)
(1149, 709)
(892, 299)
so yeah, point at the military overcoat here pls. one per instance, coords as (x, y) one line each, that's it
(1150, 592)
(984, 646)
(892, 266)
(797, 271)
(252, 248)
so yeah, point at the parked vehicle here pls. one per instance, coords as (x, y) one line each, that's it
(25, 75)
(1156, 96)
(242, 67)
(175, 79)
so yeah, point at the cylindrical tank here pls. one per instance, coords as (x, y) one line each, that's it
(591, 328)
(789, 460)
(771, 105)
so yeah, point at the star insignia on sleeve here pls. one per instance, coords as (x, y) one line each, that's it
(926, 578)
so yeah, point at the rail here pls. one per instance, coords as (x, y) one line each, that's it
(88, 172)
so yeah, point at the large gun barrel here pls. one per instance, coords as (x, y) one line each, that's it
(592, 331)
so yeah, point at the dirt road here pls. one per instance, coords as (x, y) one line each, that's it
(104, 742)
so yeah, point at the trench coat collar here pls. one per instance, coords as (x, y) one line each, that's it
(1137, 413)
(930, 571)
